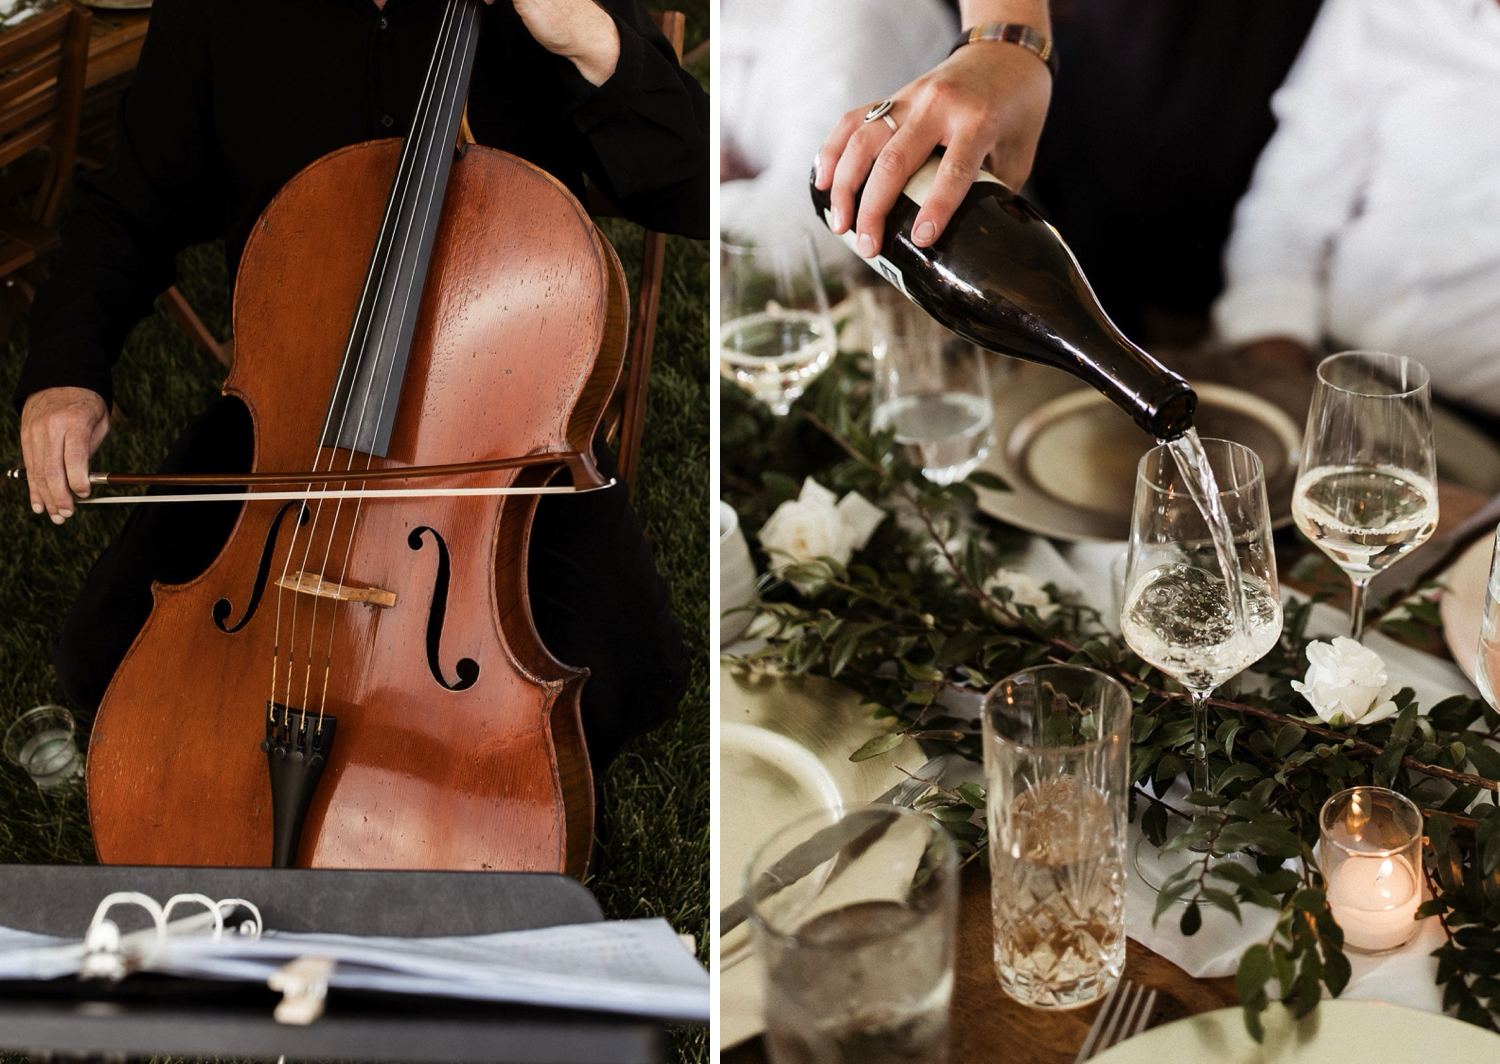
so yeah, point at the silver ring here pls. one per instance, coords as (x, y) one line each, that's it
(881, 110)
(890, 122)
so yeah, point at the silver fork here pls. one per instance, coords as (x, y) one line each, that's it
(1125, 1013)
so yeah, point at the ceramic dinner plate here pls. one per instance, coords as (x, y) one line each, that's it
(1338, 1032)
(1070, 456)
(785, 743)
(1462, 604)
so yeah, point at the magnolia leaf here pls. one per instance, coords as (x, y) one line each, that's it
(1336, 970)
(985, 479)
(879, 745)
(1485, 759)
(1287, 739)
(1192, 919)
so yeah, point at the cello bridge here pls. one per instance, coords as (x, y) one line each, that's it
(313, 584)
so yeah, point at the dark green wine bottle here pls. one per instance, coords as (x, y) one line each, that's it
(1002, 277)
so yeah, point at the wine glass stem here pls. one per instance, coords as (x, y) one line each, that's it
(1357, 601)
(1200, 741)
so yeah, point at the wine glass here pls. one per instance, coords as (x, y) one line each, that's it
(1179, 610)
(1487, 663)
(777, 334)
(1366, 491)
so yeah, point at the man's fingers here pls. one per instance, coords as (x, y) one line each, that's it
(76, 461)
(55, 494)
(902, 156)
(955, 175)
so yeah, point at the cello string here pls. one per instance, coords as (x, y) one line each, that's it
(438, 142)
(365, 316)
(426, 136)
(456, 52)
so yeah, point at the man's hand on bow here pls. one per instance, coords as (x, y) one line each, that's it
(985, 102)
(60, 429)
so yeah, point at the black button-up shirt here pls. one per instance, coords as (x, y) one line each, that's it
(233, 97)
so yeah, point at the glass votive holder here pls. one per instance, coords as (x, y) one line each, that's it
(1371, 852)
(41, 742)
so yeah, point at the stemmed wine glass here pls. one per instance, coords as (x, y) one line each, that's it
(1179, 612)
(1366, 491)
(777, 333)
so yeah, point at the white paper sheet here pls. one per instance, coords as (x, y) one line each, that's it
(630, 966)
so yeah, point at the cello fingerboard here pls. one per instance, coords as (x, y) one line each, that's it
(362, 411)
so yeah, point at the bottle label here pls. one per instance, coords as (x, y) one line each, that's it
(879, 263)
(919, 185)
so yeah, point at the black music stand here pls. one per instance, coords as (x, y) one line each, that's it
(153, 1015)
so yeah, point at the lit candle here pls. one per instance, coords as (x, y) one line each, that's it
(1375, 899)
(1370, 852)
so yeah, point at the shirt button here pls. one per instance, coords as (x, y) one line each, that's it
(387, 121)
(382, 24)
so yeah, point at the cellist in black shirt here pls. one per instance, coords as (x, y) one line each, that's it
(232, 98)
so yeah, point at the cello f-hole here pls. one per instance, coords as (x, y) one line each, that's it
(222, 607)
(467, 668)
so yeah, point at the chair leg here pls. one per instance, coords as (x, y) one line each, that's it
(192, 326)
(642, 342)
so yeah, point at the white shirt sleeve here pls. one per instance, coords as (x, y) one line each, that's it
(1307, 183)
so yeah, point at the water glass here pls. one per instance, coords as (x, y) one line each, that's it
(41, 742)
(854, 916)
(1366, 491)
(930, 385)
(1056, 761)
(776, 333)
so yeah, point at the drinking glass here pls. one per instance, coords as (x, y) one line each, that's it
(777, 334)
(1487, 662)
(854, 917)
(1180, 609)
(41, 742)
(1056, 762)
(1366, 491)
(930, 385)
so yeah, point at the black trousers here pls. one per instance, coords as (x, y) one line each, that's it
(596, 596)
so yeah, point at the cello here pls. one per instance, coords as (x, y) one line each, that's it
(356, 680)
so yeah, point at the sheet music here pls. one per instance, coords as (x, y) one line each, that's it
(638, 967)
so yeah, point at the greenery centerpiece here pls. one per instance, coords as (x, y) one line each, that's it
(923, 605)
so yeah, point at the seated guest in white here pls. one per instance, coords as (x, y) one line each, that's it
(788, 70)
(1373, 221)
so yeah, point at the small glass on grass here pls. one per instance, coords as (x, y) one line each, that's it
(777, 334)
(1366, 492)
(1180, 614)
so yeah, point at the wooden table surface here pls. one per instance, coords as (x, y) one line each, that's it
(986, 1025)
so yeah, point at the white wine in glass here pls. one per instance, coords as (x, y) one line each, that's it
(1179, 611)
(1366, 492)
(777, 334)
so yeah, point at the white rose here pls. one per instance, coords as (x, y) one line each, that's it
(1025, 590)
(813, 526)
(1346, 683)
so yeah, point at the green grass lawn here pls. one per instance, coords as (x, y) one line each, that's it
(655, 796)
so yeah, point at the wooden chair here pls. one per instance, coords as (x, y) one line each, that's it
(627, 409)
(42, 68)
